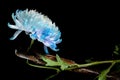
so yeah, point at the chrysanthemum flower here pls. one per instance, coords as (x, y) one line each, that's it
(37, 26)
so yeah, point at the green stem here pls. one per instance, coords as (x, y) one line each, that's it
(52, 76)
(31, 43)
(111, 66)
(57, 70)
(93, 63)
(38, 66)
(103, 74)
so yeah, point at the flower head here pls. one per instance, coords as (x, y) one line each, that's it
(37, 26)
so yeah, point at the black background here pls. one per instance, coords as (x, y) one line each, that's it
(89, 30)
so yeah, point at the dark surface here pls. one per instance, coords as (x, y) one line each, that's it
(88, 31)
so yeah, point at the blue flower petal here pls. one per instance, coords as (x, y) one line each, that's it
(38, 26)
(15, 34)
(46, 49)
